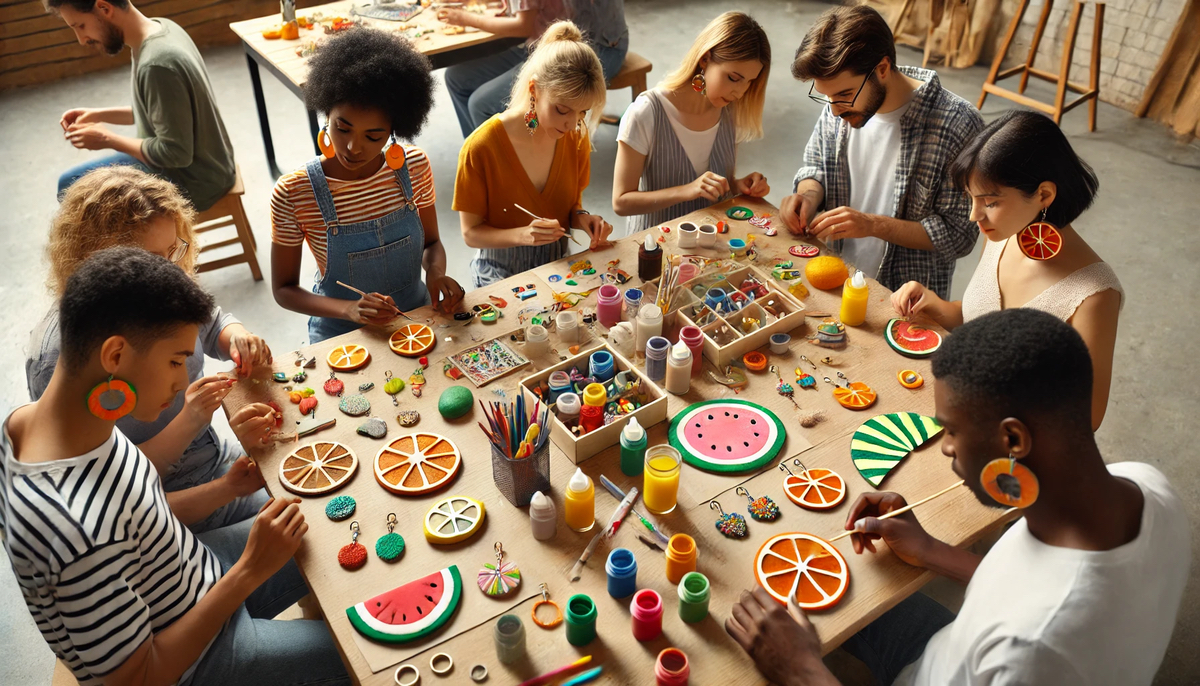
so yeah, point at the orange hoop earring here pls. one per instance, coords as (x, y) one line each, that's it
(325, 143)
(1009, 482)
(112, 399)
(558, 618)
(1040, 240)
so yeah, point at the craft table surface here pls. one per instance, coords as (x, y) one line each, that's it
(877, 582)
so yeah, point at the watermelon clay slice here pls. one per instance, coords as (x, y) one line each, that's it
(411, 611)
(727, 435)
(911, 340)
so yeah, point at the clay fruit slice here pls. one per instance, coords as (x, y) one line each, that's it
(349, 357)
(815, 489)
(411, 611)
(1040, 241)
(453, 519)
(858, 396)
(911, 340)
(416, 464)
(317, 468)
(881, 442)
(803, 567)
(412, 340)
(727, 435)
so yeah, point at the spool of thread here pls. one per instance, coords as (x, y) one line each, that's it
(693, 597)
(608, 305)
(647, 611)
(581, 620)
(672, 668)
(693, 338)
(681, 557)
(559, 382)
(591, 414)
(656, 358)
(633, 303)
(600, 365)
(649, 259)
(649, 325)
(780, 342)
(621, 569)
(568, 408)
(537, 341)
(568, 327)
(688, 271)
(509, 636)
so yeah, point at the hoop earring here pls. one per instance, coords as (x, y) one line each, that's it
(1040, 240)
(531, 119)
(1009, 482)
(699, 84)
(112, 399)
(325, 143)
(394, 155)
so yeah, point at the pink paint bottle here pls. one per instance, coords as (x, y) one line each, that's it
(609, 305)
(672, 668)
(693, 338)
(647, 611)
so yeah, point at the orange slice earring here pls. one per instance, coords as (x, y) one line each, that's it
(325, 143)
(1009, 482)
(1040, 240)
(112, 399)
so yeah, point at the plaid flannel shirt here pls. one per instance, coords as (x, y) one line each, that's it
(933, 131)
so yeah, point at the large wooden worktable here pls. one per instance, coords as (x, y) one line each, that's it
(877, 581)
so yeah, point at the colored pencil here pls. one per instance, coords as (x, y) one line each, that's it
(584, 677)
(554, 674)
(901, 511)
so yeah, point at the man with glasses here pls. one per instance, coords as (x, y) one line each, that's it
(878, 159)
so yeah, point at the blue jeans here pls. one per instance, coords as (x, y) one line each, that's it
(72, 175)
(252, 649)
(897, 639)
(207, 459)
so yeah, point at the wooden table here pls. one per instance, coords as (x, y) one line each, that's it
(877, 583)
(279, 57)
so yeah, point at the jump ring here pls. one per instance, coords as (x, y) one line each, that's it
(416, 675)
(448, 667)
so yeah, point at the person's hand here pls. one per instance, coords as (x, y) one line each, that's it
(597, 229)
(797, 211)
(203, 396)
(452, 16)
(912, 298)
(781, 641)
(444, 293)
(248, 351)
(89, 136)
(372, 308)
(754, 185)
(243, 478)
(274, 537)
(903, 533)
(708, 186)
(503, 11)
(842, 222)
(541, 232)
(251, 423)
(77, 115)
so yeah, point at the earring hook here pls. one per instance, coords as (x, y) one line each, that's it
(714, 505)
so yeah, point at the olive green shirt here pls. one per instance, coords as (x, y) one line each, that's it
(183, 137)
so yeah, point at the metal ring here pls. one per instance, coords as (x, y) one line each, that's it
(448, 667)
(416, 675)
(478, 673)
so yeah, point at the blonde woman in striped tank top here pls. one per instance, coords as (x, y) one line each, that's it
(677, 146)
(1021, 170)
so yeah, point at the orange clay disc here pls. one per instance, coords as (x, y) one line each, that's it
(755, 361)
(1010, 483)
(416, 464)
(317, 468)
(815, 489)
(412, 340)
(112, 399)
(909, 379)
(858, 397)
(1040, 241)
(803, 567)
(347, 358)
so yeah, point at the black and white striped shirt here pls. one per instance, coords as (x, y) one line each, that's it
(100, 559)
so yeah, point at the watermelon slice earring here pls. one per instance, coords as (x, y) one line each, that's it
(352, 555)
(1040, 240)
(501, 578)
(112, 399)
(390, 545)
(731, 525)
(1009, 482)
(763, 508)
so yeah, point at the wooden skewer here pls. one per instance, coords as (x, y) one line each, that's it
(363, 294)
(902, 510)
(573, 239)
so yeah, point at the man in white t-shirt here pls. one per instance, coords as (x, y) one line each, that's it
(1083, 590)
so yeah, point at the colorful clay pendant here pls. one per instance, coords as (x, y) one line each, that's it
(300, 376)
(334, 385)
(364, 387)
(112, 399)
(352, 555)
(763, 509)
(280, 377)
(307, 405)
(731, 525)
(341, 507)
(355, 405)
(392, 387)
(390, 546)
(500, 579)
(408, 417)
(374, 427)
(416, 380)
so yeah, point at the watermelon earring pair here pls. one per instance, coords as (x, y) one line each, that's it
(1009, 482)
(112, 399)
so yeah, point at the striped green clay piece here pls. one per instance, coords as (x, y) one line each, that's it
(882, 441)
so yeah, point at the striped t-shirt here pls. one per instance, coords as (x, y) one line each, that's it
(296, 218)
(100, 560)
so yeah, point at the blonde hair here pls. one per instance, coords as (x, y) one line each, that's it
(112, 206)
(731, 37)
(565, 68)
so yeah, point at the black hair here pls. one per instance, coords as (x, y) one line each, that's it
(1022, 149)
(126, 291)
(372, 68)
(84, 5)
(855, 38)
(1019, 363)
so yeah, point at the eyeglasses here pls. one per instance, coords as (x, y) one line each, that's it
(845, 103)
(177, 251)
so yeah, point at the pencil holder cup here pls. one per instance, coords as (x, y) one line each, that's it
(519, 478)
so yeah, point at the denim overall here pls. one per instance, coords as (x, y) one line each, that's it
(378, 256)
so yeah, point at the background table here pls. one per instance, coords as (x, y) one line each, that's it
(877, 582)
(280, 60)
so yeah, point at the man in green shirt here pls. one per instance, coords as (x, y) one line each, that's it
(180, 135)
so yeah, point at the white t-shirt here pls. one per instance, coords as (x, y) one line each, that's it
(873, 153)
(1039, 614)
(637, 131)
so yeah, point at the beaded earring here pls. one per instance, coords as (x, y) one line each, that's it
(732, 525)
(499, 579)
(531, 119)
(762, 508)
(112, 399)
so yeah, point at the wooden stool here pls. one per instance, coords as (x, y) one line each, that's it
(229, 212)
(632, 75)
(1089, 93)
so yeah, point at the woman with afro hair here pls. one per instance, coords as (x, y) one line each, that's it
(366, 205)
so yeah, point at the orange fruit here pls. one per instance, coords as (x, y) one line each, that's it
(412, 340)
(815, 489)
(289, 31)
(417, 463)
(347, 358)
(826, 272)
(317, 468)
(1040, 241)
(858, 396)
(803, 567)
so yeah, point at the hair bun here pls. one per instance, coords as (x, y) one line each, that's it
(562, 31)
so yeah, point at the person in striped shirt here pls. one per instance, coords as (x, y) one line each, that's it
(121, 591)
(366, 206)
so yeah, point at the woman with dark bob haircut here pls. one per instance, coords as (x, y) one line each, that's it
(365, 207)
(1027, 187)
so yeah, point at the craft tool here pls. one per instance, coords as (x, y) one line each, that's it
(555, 674)
(585, 677)
(608, 532)
(617, 493)
(364, 294)
(569, 236)
(902, 510)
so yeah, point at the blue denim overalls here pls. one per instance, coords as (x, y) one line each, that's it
(379, 256)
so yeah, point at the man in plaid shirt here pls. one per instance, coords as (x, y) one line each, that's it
(878, 160)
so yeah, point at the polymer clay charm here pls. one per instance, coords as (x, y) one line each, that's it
(762, 508)
(280, 377)
(341, 507)
(352, 555)
(364, 387)
(416, 380)
(731, 525)
(390, 546)
(307, 405)
(334, 385)
(804, 250)
(408, 417)
(500, 579)
(393, 386)
(373, 427)
(300, 376)
(355, 405)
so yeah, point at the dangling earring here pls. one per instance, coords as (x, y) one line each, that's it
(1040, 240)
(762, 508)
(1009, 482)
(394, 155)
(112, 399)
(390, 545)
(699, 84)
(325, 143)
(531, 120)
(731, 525)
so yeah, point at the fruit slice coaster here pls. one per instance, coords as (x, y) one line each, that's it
(803, 567)
(453, 519)
(317, 468)
(416, 464)
(347, 358)
(911, 340)
(815, 489)
(882, 441)
(727, 435)
(411, 611)
(412, 340)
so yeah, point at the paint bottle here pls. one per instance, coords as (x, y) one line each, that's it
(581, 620)
(621, 569)
(568, 327)
(633, 448)
(600, 366)
(681, 557)
(854, 300)
(660, 479)
(679, 369)
(688, 271)
(543, 517)
(649, 259)
(509, 636)
(649, 325)
(568, 409)
(537, 341)
(657, 349)
(559, 382)
(591, 415)
(609, 305)
(622, 338)
(633, 303)
(693, 338)
(672, 668)
(647, 611)
(579, 508)
(693, 597)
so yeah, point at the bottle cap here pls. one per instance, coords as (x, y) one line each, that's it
(681, 352)
(633, 432)
(650, 244)
(540, 502)
(594, 394)
(858, 281)
(579, 481)
(568, 403)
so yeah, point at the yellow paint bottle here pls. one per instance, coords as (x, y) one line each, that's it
(854, 300)
(579, 507)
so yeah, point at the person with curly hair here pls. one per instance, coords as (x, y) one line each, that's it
(209, 480)
(366, 206)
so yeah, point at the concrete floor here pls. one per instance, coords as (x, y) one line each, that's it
(1140, 223)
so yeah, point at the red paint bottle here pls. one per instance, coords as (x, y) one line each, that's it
(647, 611)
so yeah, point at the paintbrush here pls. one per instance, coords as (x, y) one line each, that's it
(617, 493)
(569, 236)
(608, 532)
(901, 511)
(363, 294)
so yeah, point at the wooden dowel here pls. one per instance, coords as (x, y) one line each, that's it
(902, 510)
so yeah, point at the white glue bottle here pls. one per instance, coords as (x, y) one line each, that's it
(679, 369)
(543, 516)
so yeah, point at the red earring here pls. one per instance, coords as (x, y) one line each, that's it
(1040, 240)
(112, 399)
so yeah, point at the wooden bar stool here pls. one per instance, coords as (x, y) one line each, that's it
(1089, 93)
(633, 76)
(229, 212)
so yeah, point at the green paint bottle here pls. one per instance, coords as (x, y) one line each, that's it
(633, 448)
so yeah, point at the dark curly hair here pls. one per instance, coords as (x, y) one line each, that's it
(372, 68)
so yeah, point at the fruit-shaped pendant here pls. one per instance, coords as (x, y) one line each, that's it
(499, 579)
(334, 385)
